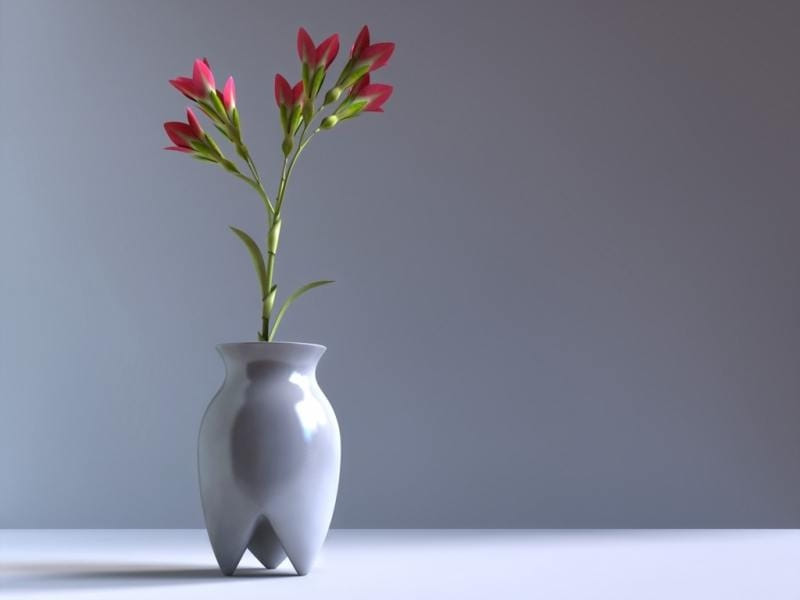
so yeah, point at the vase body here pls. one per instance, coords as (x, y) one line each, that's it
(269, 455)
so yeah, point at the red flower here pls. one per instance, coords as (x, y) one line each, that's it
(374, 94)
(363, 97)
(183, 134)
(369, 97)
(200, 85)
(321, 56)
(290, 102)
(372, 56)
(286, 95)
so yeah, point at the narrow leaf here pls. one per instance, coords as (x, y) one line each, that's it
(294, 296)
(258, 259)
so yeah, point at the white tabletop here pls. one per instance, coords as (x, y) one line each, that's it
(411, 565)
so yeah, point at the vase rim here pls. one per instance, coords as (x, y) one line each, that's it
(278, 343)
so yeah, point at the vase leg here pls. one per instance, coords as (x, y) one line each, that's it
(229, 538)
(266, 546)
(300, 537)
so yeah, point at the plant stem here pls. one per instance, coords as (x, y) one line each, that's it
(287, 172)
(273, 235)
(245, 153)
(273, 238)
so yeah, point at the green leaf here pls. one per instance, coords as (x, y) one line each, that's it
(294, 296)
(258, 259)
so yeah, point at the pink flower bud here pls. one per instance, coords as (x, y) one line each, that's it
(229, 95)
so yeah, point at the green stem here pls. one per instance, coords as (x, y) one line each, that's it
(287, 172)
(273, 238)
(245, 153)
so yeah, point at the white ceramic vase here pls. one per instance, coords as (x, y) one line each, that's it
(269, 457)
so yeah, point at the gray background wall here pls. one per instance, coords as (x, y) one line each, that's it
(568, 291)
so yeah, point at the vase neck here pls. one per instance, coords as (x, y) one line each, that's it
(256, 358)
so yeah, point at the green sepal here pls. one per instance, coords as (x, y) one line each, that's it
(355, 75)
(284, 110)
(201, 148)
(257, 258)
(237, 126)
(306, 77)
(288, 302)
(208, 110)
(297, 118)
(345, 72)
(308, 111)
(218, 107)
(213, 145)
(316, 83)
(351, 109)
(287, 145)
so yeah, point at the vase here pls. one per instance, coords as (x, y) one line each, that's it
(269, 455)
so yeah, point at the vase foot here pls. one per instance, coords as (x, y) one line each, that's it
(300, 538)
(265, 545)
(229, 539)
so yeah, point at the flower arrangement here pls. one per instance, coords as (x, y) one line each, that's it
(301, 119)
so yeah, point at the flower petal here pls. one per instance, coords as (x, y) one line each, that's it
(203, 77)
(362, 41)
(283, 91)
(377, 55)
(194, 124)
(179, 133)
(186, 87)
(376, 94)
(305, 46)
(297, 93)
(327, 51)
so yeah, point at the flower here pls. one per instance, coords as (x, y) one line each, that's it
(364, 58)
(290, 103)
(285, 95)
(373, 56)
(371, 96)
(200, 85)
(323, 55)
(316, 61)
(229, 96)
(184, 134)
(364, 97)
